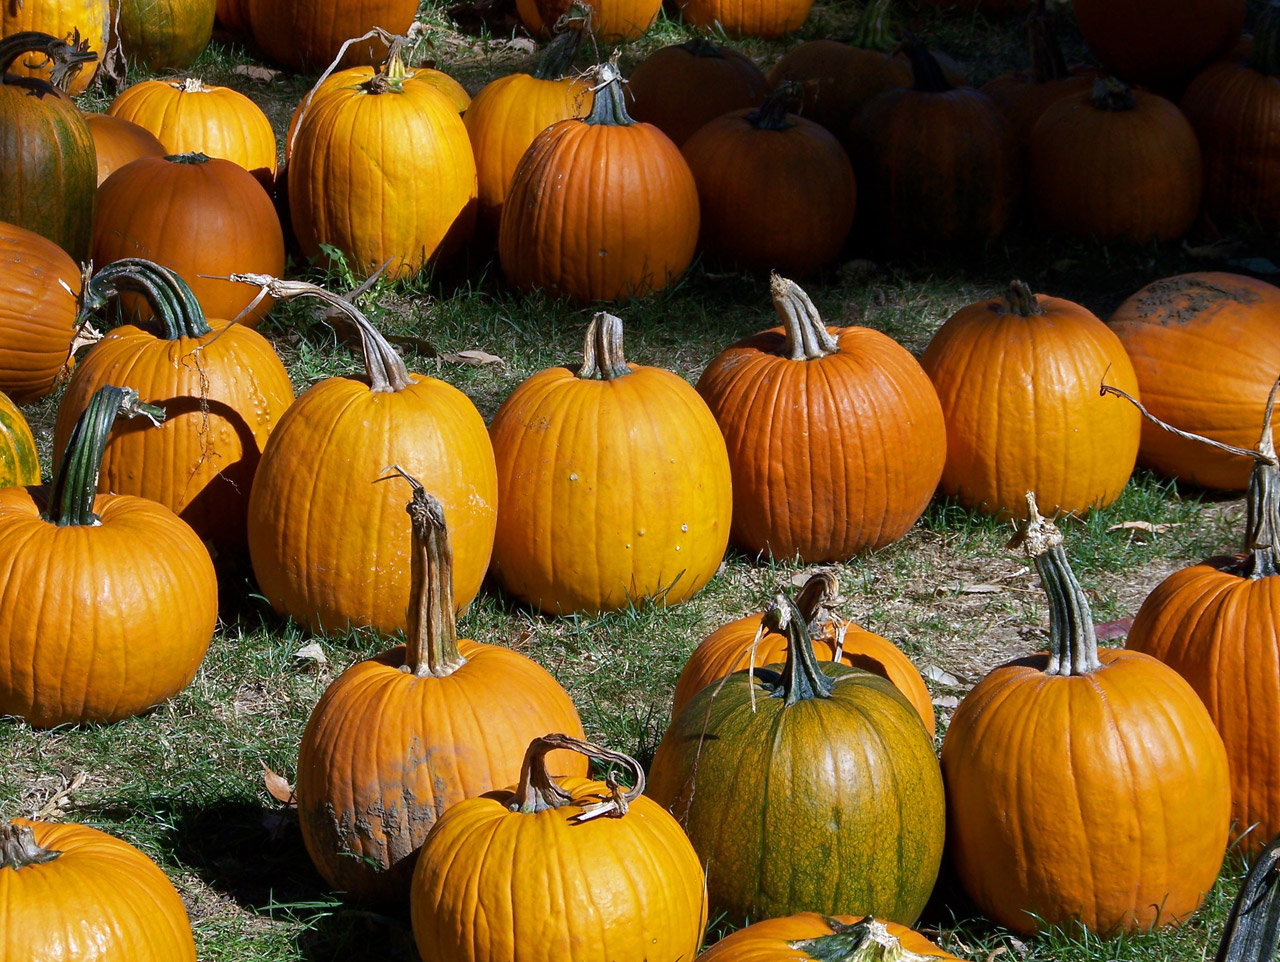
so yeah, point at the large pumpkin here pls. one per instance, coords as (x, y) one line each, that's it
(163, 33)
(399, 738)
(835, 436)
(612, 21)
(48, 168)
(119, 595)
(19, 462)
(233, 15)
(821, 938)
(1018, 377)
(1206, 349)
(331, 550)
(1084, 786)
(805, 788)
(556, 869)
(599, 208)
(90, 20)
(113, 904)
(636, 507)
(307, 34)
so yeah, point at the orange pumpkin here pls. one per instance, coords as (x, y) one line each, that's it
(835, 435)
(90, 19)
(307, 34)
(612, 21)
(117, 142)
(234, 15)
(810, 936)
(19, 463)
(769, 19)
(399, 738)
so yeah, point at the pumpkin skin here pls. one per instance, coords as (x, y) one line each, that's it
(680, 88)
(152, 208)
(858, 455)
(769, 19)
(625, 222)
(1177, 329)
(637, 507)
(306, 35)
(48, 167)
(1018, 379)
(117, 142)
(188, 118)
(399, 738)
(773, 940)
(612, 21)
(114, 904)
(19, 463)
(1132, 168)
(37, 314)
(750, 781)
(59, 18)
(839, 78)
(233, 15)
(622, 889)
(164, 33)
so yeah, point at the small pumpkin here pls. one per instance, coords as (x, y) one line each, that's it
(117, 142)
(19, 462)
(823, 938)
(85, 20)
(161, 34)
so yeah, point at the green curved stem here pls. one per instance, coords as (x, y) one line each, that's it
(539, 792)
(873, 27)
(926, 72)
(557, 59)
(171, 299)
(602, 355)
(18, 847)
(1021, 300)
(67, 58)
(609, 107)
(772, 114)
(801, 678)
(867, 940)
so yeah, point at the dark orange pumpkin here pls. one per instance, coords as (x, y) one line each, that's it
(233, 15)
(117, 142)
(307, 34)
(163, 33)
(835, 435)
(824, 938)
(769, 19)
(612, 21)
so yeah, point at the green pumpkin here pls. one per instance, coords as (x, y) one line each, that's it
(161, 34)
(827, 797)
(19, 465)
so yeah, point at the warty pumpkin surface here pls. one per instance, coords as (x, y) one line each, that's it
(91, 19)
(824, 938)
(112, 903)
(307, 34)
(399, 738)
(19, 462)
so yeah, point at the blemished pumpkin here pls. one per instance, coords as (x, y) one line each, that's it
(599, 208)
(331, 550)
(1118, 733)
(1206, 349)
(835, 436)
(753, 767)
(160, 34)
(743, 643)
(559, 868)
(399, 738)
(1018, 378)
(823, 938)
(613, 484)
(222, 385)
(89, 19)
(48, 168)
(117, 142)
(113, 903)
(19, 462)
(307, 34)
(120, 599)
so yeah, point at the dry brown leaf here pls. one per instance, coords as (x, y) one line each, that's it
(278, 787)
(1142, 526)
(311, 652)
(981, 589)
(253, 72)
(474, 358)
(1113, 629)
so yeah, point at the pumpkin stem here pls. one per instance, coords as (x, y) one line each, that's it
(702, 47)
(75, 483)
(926, 73)
(782, 100)
(817, 600)
(67, 57)
(602, 357)
(18, 847)
(171, 299)
(801, 677)
(1111, 94)
(807, 337)
(557, 59)
(538, 791)
(390, 76)
(609, 107)
(1073, 644)
(431, 643)
(867, 940)
(1021, 301)
(1252, 933)
(872, 32)
(384, 367)
(189, 85)
(1265, 56)
(1047, 62)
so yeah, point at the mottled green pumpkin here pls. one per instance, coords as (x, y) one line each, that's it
(18, 462)
(826, 797)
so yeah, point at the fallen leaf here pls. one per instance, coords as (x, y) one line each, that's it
(474, 358)
(253, 72)
(278, 787)
(311, 652)
(1113, 629)
(997, 952)
(1142, 526)
(947, 701)
(941, 676)
(981, 589)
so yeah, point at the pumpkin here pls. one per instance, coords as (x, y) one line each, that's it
(1018, 378)
(769, 19)
(1158, 43)
(330, 550)
(116, 142)
(1234, 108)
(680, 88)
(121, 593)
(558, 868)
(635, 508)
(399, 738)
(599, 208)
(307, 34)
(161, 34)
(48, 170)
(1214, 624)
(19, 463)
(233, 15)
(411, 143)
(835, 436)
(224, 389)
(38, 313)
(113, 903)
(1116, 734)
(510, 111)
(935, 164)
(805, 788)
(742, 643)
(612, 21)
(1114, 163)
(84, 20)
(1206, 347)
(808, 935)
(775, 191)
(189, 117)
(154, 206)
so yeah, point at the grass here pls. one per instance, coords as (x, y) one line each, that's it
(185, 782)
